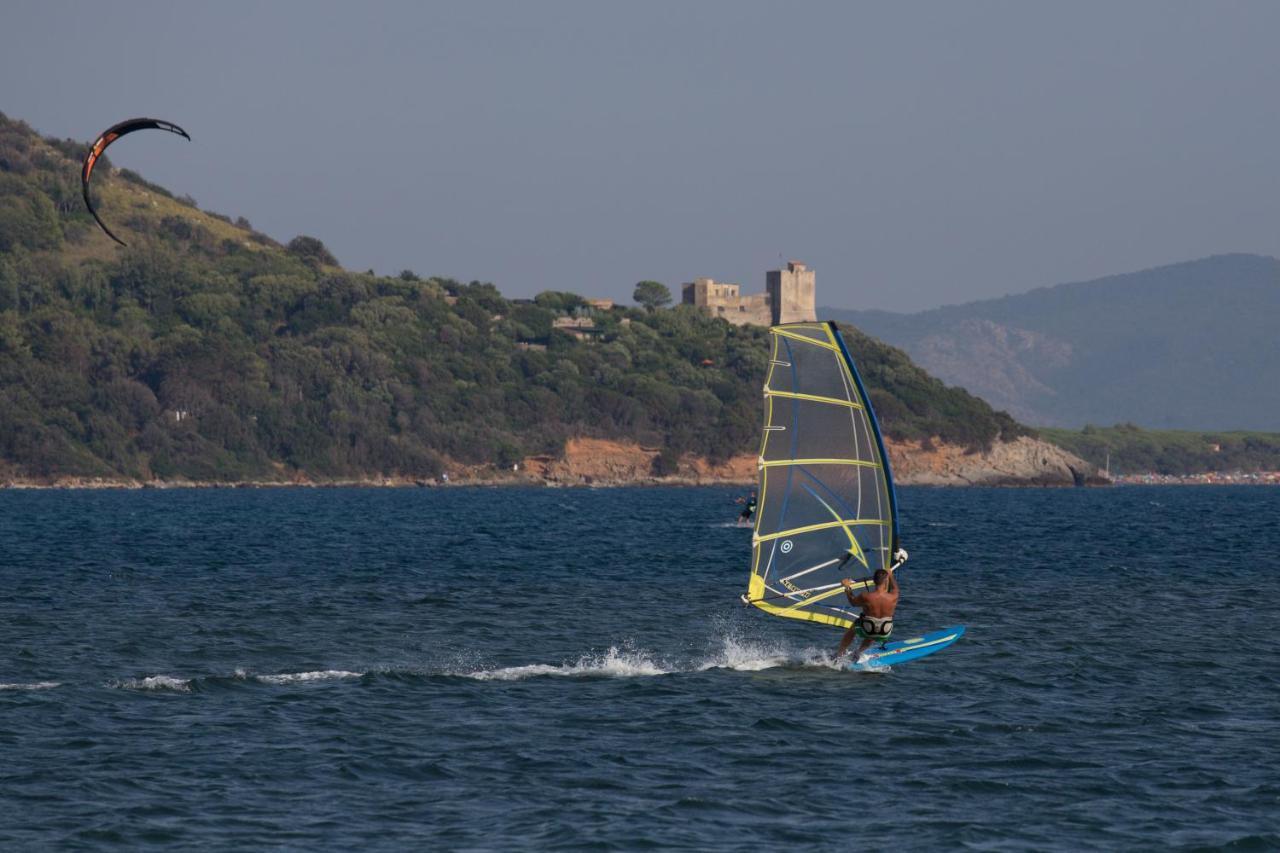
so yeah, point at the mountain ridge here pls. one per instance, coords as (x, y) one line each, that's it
(1114, 349)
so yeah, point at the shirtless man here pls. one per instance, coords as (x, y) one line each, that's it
(875, 623)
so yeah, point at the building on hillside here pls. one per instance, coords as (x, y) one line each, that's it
(790, 297)
(721, 299)
(582, 328)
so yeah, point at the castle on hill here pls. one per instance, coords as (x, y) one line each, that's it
(790, 297)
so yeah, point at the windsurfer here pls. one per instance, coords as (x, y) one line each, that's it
(748, 510)
(875, 623)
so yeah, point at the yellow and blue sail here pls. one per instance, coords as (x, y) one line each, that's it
(825, 487)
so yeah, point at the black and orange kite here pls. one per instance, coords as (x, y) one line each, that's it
(109, 136)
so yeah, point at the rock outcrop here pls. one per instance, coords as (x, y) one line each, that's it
(600, 462)
(595, 461)
(1022, 462)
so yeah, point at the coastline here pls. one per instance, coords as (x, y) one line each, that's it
(1209, 478)
(603, 463)
(98, 484)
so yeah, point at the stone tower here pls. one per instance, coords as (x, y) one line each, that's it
(790, 297)
(792, 294)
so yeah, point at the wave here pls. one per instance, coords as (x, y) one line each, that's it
(734, 654)
(187, 685)
(154, 682)
(746, 656)
(614, 663)
(298, 677)
(727, 652)
(30, 685)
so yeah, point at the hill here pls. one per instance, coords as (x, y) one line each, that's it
(208, 352)
(1128, 450)
(1187, 346)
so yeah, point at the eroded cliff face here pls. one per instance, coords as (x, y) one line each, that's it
(594, 461)
(1022, 462)
(599, 462)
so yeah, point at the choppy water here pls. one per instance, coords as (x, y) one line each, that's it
(459, 668)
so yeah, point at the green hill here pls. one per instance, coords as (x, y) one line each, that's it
(208, 351)
(1130, 450)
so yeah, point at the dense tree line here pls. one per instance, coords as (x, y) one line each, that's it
(1132, 450)
(206, 350)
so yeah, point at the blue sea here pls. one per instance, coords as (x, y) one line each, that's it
(463, 669)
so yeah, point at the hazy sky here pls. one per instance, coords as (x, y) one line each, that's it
(914, 154)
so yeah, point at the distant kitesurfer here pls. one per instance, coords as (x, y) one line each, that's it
(875, 623)
(748, 510)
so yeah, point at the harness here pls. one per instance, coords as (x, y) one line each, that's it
(874, 626)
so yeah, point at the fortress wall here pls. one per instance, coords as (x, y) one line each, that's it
(790, 297)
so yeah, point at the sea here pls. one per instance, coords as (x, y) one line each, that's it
(571, 669)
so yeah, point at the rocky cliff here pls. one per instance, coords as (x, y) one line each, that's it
(599, 462)
(1022, 462)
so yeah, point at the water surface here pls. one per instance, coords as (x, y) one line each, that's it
(507, 668)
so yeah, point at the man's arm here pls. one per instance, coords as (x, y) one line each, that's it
(899, 557)
(855, 600)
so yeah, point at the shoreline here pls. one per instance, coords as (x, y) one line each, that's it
(1209, 478)
(1270, 478)
(101, 484)
(603, 463)
(675, 482)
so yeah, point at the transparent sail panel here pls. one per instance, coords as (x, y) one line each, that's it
(825, 502)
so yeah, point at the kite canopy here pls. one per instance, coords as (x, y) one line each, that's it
(109, 136)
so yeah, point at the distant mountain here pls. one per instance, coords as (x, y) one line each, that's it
(1194, 345)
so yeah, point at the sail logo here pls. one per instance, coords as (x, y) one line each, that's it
(786, 546)
(803, 593)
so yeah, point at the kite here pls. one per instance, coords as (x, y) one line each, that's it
(109, 136)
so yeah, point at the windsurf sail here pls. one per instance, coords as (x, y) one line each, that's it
(827, 508)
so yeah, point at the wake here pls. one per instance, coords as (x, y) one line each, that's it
(733, 654)
(177, 684)
(730, 652)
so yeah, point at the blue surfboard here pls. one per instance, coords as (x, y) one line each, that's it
(902, 651)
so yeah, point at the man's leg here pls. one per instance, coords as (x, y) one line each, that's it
(845, 641)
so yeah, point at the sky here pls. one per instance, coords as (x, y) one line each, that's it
(914, 154)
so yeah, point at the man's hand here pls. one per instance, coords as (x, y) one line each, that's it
(847, 583)
(899, 557)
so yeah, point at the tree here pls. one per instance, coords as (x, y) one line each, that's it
(309, 249)
(559, 301)
(652, 294)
